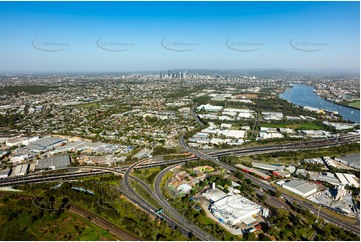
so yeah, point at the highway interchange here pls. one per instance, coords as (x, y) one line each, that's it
(171, 216)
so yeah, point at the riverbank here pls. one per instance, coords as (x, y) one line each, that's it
(303, 95)
(341, 104)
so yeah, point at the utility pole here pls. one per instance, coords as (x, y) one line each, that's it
(318, 213)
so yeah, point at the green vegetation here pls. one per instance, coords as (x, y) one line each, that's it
(109, 204)
(10, 120)
(161, 150)
(332, 232)
(147, 175)
(19, 221)
(144, 194)
(295, 126)
(294, 157)
(354, 104)
(199, 218)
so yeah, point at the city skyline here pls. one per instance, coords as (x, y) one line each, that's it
(153, 36)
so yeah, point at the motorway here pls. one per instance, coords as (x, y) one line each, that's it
(133, 196)
(174, 217)
(199, 233)
(196, 117)
(265, 186)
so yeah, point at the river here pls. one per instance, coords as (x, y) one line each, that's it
(303, 95)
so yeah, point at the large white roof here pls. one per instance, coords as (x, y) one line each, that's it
(236, 207)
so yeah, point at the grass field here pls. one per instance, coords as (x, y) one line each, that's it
(307, 126)
(147, 175)
(355, 104)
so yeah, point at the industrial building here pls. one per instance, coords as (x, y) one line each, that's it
(20, 170)
(46, 144)
(268, 167)
(348, 179)
(272, 115)
(232, 209)
(302, 188)
(316, 133)
(214, 195)
(256, 172)
(18, 141)
(5, 173)
(53, 163)
(281, 174)
(209, 108)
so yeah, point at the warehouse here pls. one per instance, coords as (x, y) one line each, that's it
(302, 188)
(272, 115)
(235, 209)
(46, 144)
(20, 170)
(214, 195)
(18, 141)
(5, 173)
(209, 108)
(53, 163)
(352, 179)
(254, 171)
(348, 179)
(268, 167)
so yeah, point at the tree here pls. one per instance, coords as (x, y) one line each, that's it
(277, 193)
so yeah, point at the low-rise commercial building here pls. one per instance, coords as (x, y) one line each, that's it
(20, 170)
(209, 108)
(254, 171)
(46, 144)
(5, 173)
(302, 188)
(54, 162)
(272, 115)
(235, 209)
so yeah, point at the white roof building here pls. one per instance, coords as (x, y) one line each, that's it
(270, 135)
(302, 188)
(233, 133)
(352, 180)
(235, 209)
(184, 188)
(209, 108)
(214, 195)
(272, 115)
(20, 170)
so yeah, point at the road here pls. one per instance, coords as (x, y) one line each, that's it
(196, 117)
(199, 233)
(265, 186)
(129, 192)
(175, 218)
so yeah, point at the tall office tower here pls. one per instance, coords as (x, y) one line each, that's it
(160, 75)
(169, 74)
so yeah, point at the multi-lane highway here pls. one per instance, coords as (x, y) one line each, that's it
(174, 217)
(304, 145)
(184, 225)
(199, 233)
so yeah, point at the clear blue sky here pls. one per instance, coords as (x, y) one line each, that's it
(201, 27)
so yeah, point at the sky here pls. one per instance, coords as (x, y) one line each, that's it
(136, 36)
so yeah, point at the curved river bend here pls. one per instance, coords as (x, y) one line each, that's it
(303, 95)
